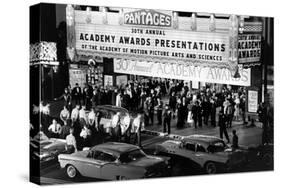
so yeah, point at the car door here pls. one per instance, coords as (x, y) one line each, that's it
(200, 154)
(91, 165)
(188, 151)
(109, 168)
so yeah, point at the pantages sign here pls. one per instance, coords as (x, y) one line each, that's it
(148, 18)
(144, 35)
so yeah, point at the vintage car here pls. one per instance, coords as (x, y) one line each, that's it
(46, 150)
(106, 113)
(113, 161)
(210, 153)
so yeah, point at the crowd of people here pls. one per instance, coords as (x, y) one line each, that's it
(165, 99)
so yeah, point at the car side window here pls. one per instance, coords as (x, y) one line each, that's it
(190, 146)
(104, 156)
(200, 148)
(96, 155)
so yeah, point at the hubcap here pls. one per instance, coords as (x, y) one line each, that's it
(122, 178)
(211, 168)
(71, 171)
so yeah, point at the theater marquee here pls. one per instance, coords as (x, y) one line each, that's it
(146, 35)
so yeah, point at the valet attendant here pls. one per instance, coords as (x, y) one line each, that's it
(82, 116)
(116, 129)
(125, 126)
(55, 129)
(71, 142)
(93, 126)
(136, 130)
(64, 115)
(75, 121)
(92, 119)
(86, 136)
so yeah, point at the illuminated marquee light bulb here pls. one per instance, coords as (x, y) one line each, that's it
(193, 22)
(104, 19)
(88, 15)
(69, 15)
(241, 24)
(175, 20)
(121, 21)
(212, 26)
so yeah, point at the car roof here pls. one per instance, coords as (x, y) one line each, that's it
(115, 148)
(201, 139)
(112, 108)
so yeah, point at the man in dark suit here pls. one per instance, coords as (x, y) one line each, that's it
(222, 125)
(76, 94)
(167, 116)
(173, 103)
(95, 98)
(159, 109)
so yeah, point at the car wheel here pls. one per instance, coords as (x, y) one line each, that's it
(121, 178)
(210, 168)
(71, 171)
(267, 159)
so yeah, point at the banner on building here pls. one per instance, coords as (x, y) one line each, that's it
(77, 76)
(250, 44)
(252, 101)
(121, 80)
(108, 80)
(182, 72)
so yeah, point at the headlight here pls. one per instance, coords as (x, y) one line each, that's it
(44, 155)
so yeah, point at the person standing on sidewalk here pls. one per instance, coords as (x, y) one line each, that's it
(71, 145)
(67, 99)
(75, 121)
(83, 117)
(159, 110)
(222, 125)
(167, 116)
(136, 130)
(116, 127)
(149, 111)
(180, 114)
(64, 115)
(195, 111)
(206, 107)
(76, 94)
(173, 103)
(234, 139)
(229, 114)
(55, 129)
(213, 112)
(200, 113)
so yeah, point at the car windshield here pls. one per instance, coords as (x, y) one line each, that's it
(132, 156)
(218, 146)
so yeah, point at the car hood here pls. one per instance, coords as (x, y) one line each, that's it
(147, 161)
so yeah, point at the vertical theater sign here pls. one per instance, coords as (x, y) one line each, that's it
(158, 43)
(249, 43)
